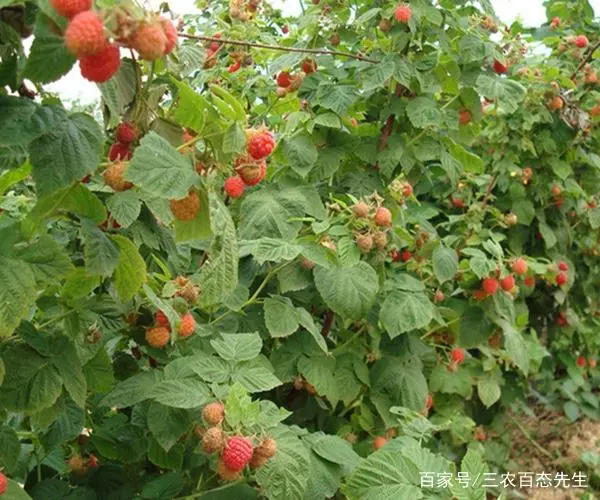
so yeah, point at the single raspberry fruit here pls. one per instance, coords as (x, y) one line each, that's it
(458, 202)
(119, 151)
(252, 174)
(170, 34)
(160, 318)
(212, 441)
(364, 242)
(234, 186)
(385, 25)
(383, 217)
(403, 13)
(149, 41)
(380, 239)
(92, 461)
(3, 483)
(499, 67)
(309, 66)
(285, 29)
(395, 255)
(439, 296)
(405, 256)
(260, 146)
(214, 413)
(556, 191)
(563, 266)
(562, 279)
(379, 442)
(592, 362)
(429, 402)
(127, 133)
(70, 8)
(114, 177)
(529, 281)
(84, 35)
(520, 267)
(361, 210)
(490, 286)
(227, 474)
(266, 449)
(157, 336)
(186, 208)
(307, 264)
(102, 66)
(77, 464)
(457, 355)
(561, 319)
(581, 41)
(507, 283)
(234, 67)
(465, 117)
(187, 325)
(555, 23)
(284, 79)
(258, 461)
(556, 103)
(407, 190)
(581, 361)
(237, 453)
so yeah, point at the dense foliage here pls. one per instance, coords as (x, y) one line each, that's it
(291, 258)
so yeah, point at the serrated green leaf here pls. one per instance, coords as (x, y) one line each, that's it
(403, 312)
(301, 153)
(238, 346)
(488, 391)
(124, 207)
(101, 254)
(186, 393)
(131, 272)
(10, 448)
(167, 424)
(17, 293)
(280, 316)
(445, 263)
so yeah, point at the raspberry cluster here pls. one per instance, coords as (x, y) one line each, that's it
(97, 49)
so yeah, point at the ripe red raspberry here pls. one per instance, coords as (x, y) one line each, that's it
(361, 210)
(563, 266)
(562, 279)
(458, 202)
(507, 283)
(252, 174)
(114, 177)
(234, 186)
(465, 117)
(309, 66)
(403, 13)
(379, 442)
(490, 286)
(149, 41)
(160, 318)
(127, 133)
(212, 441)
(383, 217)
(405, 256)
(581, 41)
(170, 34)
(581, 361)
(260, 146)
(186, 208)
(395, 255)
(237, 453)
(119, 151)
(3, 483)
(234, 67)
(530, 281)
(284, 79)
(520, 267)
(84, 35)
(187, 325)
(499, 67)
(157, 336)
(214, 413)
(70, 8)
(102, 66)
(457, 355)
(561, 319)
(92, 461)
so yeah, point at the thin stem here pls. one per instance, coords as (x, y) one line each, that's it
(537, 445)
(342, 346)
(439, 327)
(280, 47)
(57, 318)
(586, 59)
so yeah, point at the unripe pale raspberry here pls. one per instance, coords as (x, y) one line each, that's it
(3, 483)
(102, 66)
(84, 35)
(119, 151)
(187, 326)
(237, 453)
(360, 210)
(383, 217)
(364, 242)
(252, 174)
(77, 464)
(187, 208)
(227, 474)
(149, 41)
(114, 177)
(212, 441)
(380, 239)
(214, 413)
(157, 336)
(127, 133)
(267, 448)
(234, 186)
(258, 461)
(170, 35)
(70, 8)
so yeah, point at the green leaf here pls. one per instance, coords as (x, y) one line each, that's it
(191, 108)
(280, 316)
(23, 120)
(301, 153)
(515, 346)
(403, 312)
(66, 154)
(308, 323)
(186, 393)
(238, 346)
(377, 75)
(164, 486)
(49, 58)
(131, 272)
(124, 207)
(68, 422)
(271, 250)
(337, 98)
(255, 376)
(238, 109)
(158, 168)
(119, 91)
(349, 291)
(101, 254)
(234, 139)
(17, 293)
(167, 424)
(445, 263)
(12, 177)
(473, 464)
(525, 211)
(49, 260)
(71, 372)
(336, 450)
(403, 379)
(172, 459)
(10, 448)
(329, 120)
(458, 383)
(488, 391)
(474, 328)
(133, 390)
(99, 373)
(423, 112)
(15, 492)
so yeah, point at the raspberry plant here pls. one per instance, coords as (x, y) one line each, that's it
(291, 258)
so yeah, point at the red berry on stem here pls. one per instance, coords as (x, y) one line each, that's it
(3, 483)
(170, 34)
(379, 442)
(187, 325)
(500, 67)
(309, 66)
(284, 79)
(581, 41)
(581, 361)
(383, 217)
(260, 146)
(465, 117)
(457, 355)
(563, 266)
(234, 186)
(530, 281)
(490, 286)
(405, 256)
(520, 267)
(84, 35)
(403, 13)
(70, 8)
(234, 67)
(160, 318)
(562, 279)
(507, 283)
(150, 41)
(237, 453)
(102, 66)
(119, 151)
(127, 133)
